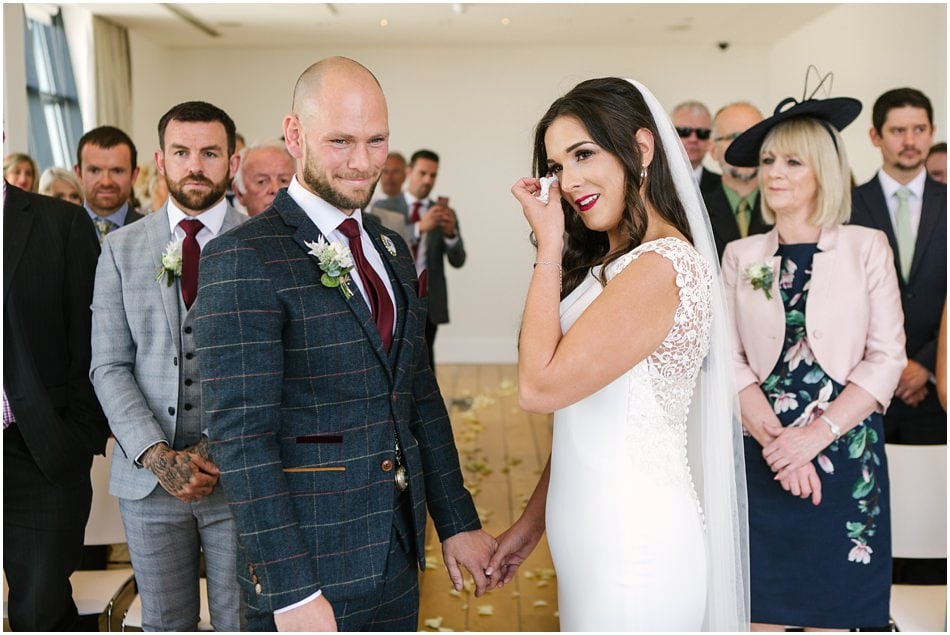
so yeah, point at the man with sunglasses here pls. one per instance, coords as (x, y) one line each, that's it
(693, 125)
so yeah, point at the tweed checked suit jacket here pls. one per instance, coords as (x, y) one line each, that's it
(136, 342)
(301, 401)
(393, 212)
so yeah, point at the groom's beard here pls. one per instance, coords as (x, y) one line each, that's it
(324, 189)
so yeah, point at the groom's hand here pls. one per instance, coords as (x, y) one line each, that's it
(472, 550)
(315, 615)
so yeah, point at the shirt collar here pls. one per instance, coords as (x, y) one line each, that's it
(890, 185)
(733, 197)
(117, 217)
(325, 216)
(212, 218)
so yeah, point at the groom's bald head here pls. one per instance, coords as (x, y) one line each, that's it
(329, 77)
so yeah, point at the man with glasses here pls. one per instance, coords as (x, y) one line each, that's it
(692, 122)
(734, 206)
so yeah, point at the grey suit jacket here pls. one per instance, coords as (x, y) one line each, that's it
(136, 344)
(393, 213)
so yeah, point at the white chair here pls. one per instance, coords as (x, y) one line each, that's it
(103, 592)
(918, 476)
(133, 617)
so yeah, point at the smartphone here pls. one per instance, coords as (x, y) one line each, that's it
(443, 201)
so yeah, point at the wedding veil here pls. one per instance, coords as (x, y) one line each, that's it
(714, 428)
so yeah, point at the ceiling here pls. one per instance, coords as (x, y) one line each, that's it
(399, 24)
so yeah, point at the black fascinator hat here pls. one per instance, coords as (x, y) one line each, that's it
(834, 112)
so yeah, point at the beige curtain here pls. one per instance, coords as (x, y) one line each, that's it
(113, 73)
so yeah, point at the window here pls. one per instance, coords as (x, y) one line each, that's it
(55, 124)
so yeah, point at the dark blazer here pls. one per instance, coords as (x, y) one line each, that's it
(132, 216)
(302, 401)
(709, 181)
(923, 294)
(49, 263)
(436, 252)
(723, 221)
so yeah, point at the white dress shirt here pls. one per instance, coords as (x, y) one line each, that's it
(915, 202)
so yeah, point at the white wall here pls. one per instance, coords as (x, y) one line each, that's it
(870, 49)
(14, 80)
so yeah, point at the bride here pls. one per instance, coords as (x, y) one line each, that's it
(624, 338)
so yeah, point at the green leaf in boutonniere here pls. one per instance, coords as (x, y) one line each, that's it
(760, 277)
(336, 262)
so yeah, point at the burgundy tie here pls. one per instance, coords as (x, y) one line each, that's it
(190, 253)
(413, 219)
(379, 302)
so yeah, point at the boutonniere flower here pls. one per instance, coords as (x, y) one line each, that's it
(760, 277)
(335, 261)
(171, 263)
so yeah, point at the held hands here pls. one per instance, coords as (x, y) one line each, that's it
(439, 216)
(189, 475)
(794, 448)
(472, 550)
(546, 220)
(912, 387)
(514, 547)
(315, 615)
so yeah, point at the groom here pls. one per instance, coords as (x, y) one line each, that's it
(326, 421)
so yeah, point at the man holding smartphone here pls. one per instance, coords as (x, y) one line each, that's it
(431, 231)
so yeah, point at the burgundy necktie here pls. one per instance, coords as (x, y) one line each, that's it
(413, 219)
(190, 254)
(379, 302)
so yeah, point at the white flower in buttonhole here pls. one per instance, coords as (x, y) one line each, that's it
(335, 261)
(171, 263)
(760, 276)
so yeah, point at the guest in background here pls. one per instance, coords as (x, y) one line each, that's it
(391, 179)
(431, 230)
(150, 189)
(937, 162)
(106, 164)
(61, 183)
(264, 169)
(694, 127)
(941, 372)
(819, 351)
(911, 209)
(52, 423)
(735, 210)
(20, 170)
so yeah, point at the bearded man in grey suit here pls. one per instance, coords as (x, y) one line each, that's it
(325, 418)
(145, 372)
(431, 230)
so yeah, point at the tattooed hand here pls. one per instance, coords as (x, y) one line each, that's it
(185, 474)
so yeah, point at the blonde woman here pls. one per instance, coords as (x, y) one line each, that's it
(819, 348)
(20, 170)
(61, 183)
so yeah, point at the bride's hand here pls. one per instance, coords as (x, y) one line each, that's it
(546, 220)
(514, 547)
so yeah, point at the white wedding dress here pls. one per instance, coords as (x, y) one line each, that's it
(624, 524)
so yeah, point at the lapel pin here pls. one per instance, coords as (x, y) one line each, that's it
(388, 244)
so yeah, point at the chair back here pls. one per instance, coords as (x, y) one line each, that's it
(918, 477)
(105, 524)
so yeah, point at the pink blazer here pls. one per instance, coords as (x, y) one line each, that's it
(853, 317)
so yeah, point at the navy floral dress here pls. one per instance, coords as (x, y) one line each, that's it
(827, 566)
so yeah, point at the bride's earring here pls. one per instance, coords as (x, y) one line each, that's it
(643, 173)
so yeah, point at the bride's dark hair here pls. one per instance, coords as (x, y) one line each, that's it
(612, 110)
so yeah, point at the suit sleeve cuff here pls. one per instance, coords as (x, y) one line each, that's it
(300, 603)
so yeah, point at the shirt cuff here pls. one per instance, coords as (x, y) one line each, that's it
(300, 603)
(451, 242)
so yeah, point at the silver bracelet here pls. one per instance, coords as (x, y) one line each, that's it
(560, 271)
(835, 430)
